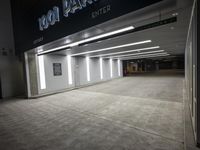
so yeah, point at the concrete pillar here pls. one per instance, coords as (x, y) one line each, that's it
(31, 74)
(198, 74)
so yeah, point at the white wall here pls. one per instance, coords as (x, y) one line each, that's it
(95, 70)
(79, 72)
(95, 76)
(55, 83)
(106, 69)
(115, 69)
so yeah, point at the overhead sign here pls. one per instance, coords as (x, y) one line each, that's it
(69, 7)
(51, 18)
(38, 22)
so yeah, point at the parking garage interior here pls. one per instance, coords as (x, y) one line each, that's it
(127, 83)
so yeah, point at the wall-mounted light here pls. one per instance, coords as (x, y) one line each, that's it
(88, 68)
(69, 64)
(119, 67)
(101, 68)
(42, 72)
(111, 67)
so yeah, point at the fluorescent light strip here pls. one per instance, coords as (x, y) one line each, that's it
(146, 56)
(52, 50)
(119, 67)
(88, 68)
(88, 40)
(69, 64)
(129, 51)
(102, 36)
(114, 47)
(151, 52)
(101, 68)
(111, 67)
(42, 72)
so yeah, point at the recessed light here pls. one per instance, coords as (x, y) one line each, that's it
(68, 41)
(86, 35)
(175, 14)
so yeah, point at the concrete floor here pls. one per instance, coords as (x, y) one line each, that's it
(133, 113)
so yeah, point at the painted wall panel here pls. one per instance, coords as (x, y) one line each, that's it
(95, 70)
(82, 71)
(115, 69)
(106, 69)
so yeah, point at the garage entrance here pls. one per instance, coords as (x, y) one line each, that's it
(134, 67)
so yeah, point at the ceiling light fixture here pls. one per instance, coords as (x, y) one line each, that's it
(54, 50)
(114, 47)
(151, 52)
(175, 14)
(67, 41)
(68, 46)
(102, 36)
(129, 51)
(146, 56)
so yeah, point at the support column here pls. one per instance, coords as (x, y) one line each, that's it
(198, 74)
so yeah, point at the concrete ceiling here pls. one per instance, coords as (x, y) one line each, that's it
(171, 37)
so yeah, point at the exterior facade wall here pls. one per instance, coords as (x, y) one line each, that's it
(11, 68)
(11, 76)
